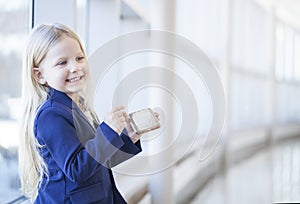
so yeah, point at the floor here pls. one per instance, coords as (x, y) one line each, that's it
(271, 175)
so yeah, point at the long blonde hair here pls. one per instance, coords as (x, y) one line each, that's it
(32, 167)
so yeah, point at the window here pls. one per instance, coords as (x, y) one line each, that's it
(297, 57)
(14, 24)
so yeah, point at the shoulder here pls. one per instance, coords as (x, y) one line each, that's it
(52, 118)
(57, 102)
(53, 114)
(52, 107)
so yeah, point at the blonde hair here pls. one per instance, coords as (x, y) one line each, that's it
(32, 167)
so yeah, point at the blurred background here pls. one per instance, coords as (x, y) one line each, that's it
(255, 47)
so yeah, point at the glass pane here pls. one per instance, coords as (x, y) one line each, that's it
(289, 46)
(14, 26)
(249, 37)
(280, 42)
(249, 101)
(297, 58)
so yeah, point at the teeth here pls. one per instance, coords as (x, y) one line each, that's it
(74, 79)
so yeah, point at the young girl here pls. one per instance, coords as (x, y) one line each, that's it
(65, 155)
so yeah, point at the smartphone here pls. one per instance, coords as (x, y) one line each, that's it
(144, 121)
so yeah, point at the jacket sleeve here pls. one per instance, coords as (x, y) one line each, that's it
(56, 129)
(110, 149)
(126, 151)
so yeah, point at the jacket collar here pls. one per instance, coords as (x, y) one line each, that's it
(64, 99)
(60, 97)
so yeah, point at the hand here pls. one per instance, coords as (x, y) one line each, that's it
(116, 119)
(131, 132)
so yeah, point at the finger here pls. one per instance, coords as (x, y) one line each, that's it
(118, 113)
(126, 117)
(156, 115)
(118, 108)
(122, 119)
(122, 125)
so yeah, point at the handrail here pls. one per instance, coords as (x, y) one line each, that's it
(18, 200)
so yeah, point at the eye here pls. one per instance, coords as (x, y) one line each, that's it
(61, 63)
(80, 58)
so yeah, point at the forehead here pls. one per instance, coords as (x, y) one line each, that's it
(65, 46)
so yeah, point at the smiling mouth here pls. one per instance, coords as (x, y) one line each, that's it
(75, 79)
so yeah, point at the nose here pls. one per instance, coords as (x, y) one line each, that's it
(74, 67)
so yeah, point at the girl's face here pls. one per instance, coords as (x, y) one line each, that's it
(64, 68)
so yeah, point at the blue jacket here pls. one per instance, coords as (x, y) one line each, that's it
(78, 155)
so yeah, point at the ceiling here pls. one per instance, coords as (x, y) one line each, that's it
(286, 10)
(291, 13)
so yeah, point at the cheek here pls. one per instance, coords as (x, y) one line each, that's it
(60, 76)
(85, 67)
(63, 75)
